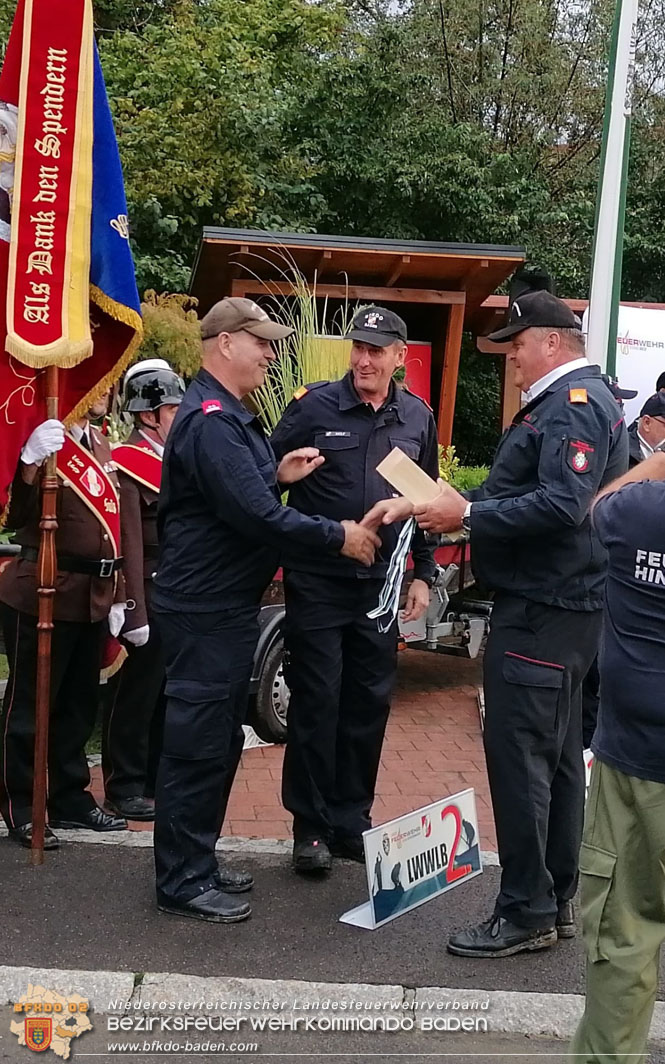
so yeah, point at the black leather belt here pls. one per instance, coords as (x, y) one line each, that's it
(70, 563)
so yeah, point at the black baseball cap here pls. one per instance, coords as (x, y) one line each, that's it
(620, 394)
(536, 310)
(378, 326)
(654, 406)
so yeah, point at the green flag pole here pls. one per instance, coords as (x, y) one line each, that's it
(611, 202)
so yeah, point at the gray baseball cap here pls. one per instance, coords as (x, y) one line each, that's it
(234, 314)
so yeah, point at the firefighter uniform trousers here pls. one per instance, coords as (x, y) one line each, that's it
(623, 914)
(134, 705)
(76, 650)
(535, 661)
(208, 659)
(341, 672)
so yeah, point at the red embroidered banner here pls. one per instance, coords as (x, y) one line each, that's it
(81, 470)
(49, 264)
(111, 307)
(141, 463)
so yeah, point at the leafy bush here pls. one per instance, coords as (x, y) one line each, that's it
(171, 331)
(462, 478)
(466, 478)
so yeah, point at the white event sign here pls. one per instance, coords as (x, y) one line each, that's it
(640, 353)
(418, 856)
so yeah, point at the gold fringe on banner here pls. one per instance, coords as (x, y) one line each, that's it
(63, 353)
(128, 317)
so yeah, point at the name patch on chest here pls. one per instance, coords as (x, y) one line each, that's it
(345, 434)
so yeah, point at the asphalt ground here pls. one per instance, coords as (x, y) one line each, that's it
(92, 907)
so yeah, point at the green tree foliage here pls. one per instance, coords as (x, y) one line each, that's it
(199, 95)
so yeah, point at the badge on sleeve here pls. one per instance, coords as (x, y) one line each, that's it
(211, 406)
(578, 395)
(298, 394)
(580, 456)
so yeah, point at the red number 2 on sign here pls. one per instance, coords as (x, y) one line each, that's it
(452, 873)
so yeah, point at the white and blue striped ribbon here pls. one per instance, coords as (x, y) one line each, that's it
(386, 612)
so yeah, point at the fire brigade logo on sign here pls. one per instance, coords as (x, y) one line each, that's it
(579, 456)
(46, 1019)
(426, 822)
(38, 1033)
(93, 482)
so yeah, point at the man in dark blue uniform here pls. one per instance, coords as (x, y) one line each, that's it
(340, 667)
(222, 528)
(533, 542)
(648, 431)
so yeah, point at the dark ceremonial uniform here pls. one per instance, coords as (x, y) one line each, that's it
(88, 582)
(340, 667)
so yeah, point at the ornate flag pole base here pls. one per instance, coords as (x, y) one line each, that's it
(46, 573)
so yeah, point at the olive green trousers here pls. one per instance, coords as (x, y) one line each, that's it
(622, 865)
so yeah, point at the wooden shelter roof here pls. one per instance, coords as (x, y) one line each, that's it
(365, 268)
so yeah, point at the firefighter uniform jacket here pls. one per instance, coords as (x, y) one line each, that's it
(221, 524)
(531, 534)
(140, 546)
(354, 438)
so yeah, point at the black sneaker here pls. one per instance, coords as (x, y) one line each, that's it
(350, 847)
(565, 920)
(497, 937)
(311, 857)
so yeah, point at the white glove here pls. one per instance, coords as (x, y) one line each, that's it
(116, 618)
(46, 439)
(138, 637)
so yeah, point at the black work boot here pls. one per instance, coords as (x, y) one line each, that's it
(213, 905)
(497, 937)
(134, 808)
(234, 881)
(311, 856)
(565, 919)
(350, 847)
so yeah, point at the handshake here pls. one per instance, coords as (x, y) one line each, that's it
(442, 514)
(361, 539)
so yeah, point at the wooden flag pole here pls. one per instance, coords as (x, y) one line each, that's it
(46, 574)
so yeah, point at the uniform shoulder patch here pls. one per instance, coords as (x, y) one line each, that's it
(578, 395)
(212, 406)
(416, 396)
(305, 388)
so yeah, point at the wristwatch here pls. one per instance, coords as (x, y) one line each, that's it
(466, 518)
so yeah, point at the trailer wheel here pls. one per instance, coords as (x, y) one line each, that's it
(272, 697)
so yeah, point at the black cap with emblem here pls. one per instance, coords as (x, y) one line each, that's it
(377, 326)
(536, 310)
(654, 406)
